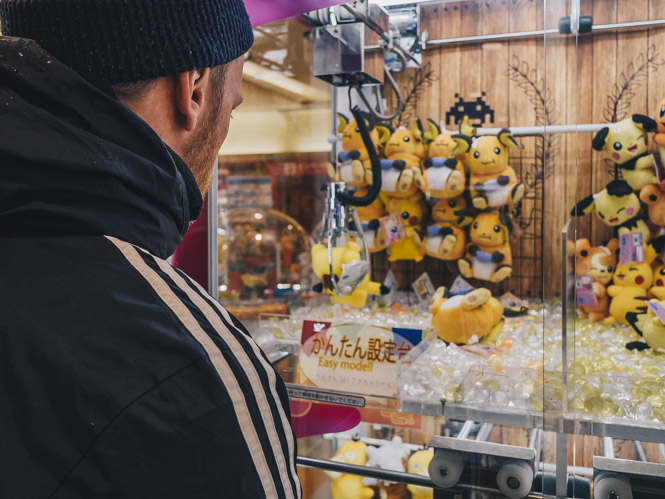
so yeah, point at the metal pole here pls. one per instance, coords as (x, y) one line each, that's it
(608, 447)
(536, 33)
(466, 429)
(212, 214)
(641, 455)
(661, 449)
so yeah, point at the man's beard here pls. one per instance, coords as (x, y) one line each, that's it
(200, 153)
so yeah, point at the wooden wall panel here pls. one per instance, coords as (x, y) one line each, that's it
(580, 74)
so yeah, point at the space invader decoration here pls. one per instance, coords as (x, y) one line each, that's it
(478, 111)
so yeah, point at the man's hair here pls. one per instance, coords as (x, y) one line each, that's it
(135, 91)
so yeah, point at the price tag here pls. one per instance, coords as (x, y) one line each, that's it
(460, 286)
(393, 228)
(352, 274)
(584, 291)
(632, 248)
(657, 309)
(424, 288)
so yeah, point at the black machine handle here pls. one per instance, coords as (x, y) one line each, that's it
(367, 199)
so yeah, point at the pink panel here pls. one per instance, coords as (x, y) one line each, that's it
(266, 11)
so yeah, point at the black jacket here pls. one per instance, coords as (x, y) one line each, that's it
(119, 376)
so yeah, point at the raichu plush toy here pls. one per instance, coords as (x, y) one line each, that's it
(412, 210)
(354, 159)
(342, 255)
(659, 138)
(344, 486)
(625, 143)
(391, 456)
(630, 284)
(617, 206)
(492, 181)
(653, 197)
(418, 465)
(597, 262)
(445, 177)
(460, 318)
(402, 170)
(446, 237)
(488, 256)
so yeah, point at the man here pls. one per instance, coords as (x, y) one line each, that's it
(119, 376)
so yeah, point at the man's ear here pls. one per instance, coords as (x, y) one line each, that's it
(191, 92)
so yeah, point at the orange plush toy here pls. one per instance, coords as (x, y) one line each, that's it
(597, 262)
(653, 197)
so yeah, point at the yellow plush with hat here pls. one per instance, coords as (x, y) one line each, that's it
(617, 206)
(460, 318)
(343, 486)
(342, 255)
(625, 143)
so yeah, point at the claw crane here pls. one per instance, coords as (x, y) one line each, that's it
(345, 40)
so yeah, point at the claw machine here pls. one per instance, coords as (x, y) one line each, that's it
(443, 221)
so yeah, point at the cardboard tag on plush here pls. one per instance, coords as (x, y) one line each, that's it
(352, 274)
(424, 288)
(393, 228)
(584, 291)
(509, 300)
(631, 248)
(391, 283)
(460, 286)
(657, 309)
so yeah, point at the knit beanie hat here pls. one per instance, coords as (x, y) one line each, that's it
(123, 41)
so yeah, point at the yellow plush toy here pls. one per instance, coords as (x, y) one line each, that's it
(631, 282)
(657, 289)
(417, 465)
(488, 256)
(659, 138)
(342, 255)
(617, 206)
(344, 486)
(412, 210)
(444, 176)
(650, 327)
(625, 143)
(353, 162)
(492, 180)
(402, 170)
(461, 317)
(446, 238)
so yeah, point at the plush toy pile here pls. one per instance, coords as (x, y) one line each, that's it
(445, 195)
(616, 280)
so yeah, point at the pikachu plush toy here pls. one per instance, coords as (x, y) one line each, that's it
(446, 237)
(412, 211)
(343, 486)
(625, 143)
